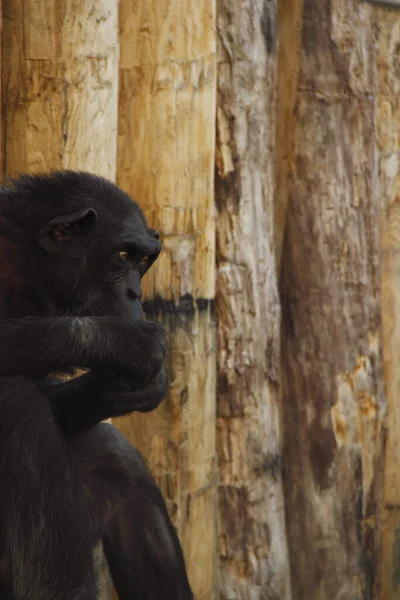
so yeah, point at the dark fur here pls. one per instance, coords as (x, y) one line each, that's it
(69, 300)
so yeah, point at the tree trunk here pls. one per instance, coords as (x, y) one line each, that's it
(60, 77)
(166, 160)
(252, 539)
(60, 95)
(330, 293)
(388, 131)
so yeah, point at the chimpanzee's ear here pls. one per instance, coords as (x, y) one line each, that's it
(59, 229)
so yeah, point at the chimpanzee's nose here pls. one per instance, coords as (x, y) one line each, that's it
(135, 296)
(135, 305)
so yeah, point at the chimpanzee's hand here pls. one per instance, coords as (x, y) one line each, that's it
(139, 350)
(133, 347)
(122, 394)
(80, 403)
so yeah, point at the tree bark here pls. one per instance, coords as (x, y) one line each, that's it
(290, 14)
(60, 77)
(330, 294)
(166, 142)
(252, 538)
(60, 96)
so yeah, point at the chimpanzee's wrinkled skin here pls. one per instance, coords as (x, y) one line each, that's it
(73, 251)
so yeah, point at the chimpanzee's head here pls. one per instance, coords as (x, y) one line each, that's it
(84, 245)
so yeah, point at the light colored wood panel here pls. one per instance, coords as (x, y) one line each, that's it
(165, 123)
(61, 107)
(155, 34)
(40, 29)
(166, 138)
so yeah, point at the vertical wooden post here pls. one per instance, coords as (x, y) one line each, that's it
(60, 78)
(166, 161)
(60, 94)
(252, 536)
(330, 294)
(388, 132)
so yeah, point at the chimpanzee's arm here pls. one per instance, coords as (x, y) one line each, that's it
(84, 401)
(37, 346)
(77, 404)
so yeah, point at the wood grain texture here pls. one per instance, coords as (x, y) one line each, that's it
(252, 537)
(388, 135)
(166, 141)
(330, 292)
(60, 77)
(290, 14)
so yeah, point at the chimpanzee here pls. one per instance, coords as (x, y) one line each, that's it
(73, 251)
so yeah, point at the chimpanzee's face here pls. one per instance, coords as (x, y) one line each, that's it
(89, 245)
(115, 268)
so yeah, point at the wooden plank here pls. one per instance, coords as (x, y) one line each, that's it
(333, 403)
(60, 82)
(388, 134)
(252, 533)
(166, 145)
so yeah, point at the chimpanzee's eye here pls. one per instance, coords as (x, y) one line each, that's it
(144, 261)
(124, 255)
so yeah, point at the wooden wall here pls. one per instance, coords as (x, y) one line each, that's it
(262, 139)
(166, 131)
